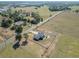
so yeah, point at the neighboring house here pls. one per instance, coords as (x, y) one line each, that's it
(3, 9)
(39, 36)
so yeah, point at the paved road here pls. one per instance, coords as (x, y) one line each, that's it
(2, 45)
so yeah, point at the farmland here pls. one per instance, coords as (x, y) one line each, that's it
(58, 26)
(67, 45)
(32, 44)
(67, 24)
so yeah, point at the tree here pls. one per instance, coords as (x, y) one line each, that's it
(18, 29)
(18, 37)
(37, 18)
(9, 12)
(25, 41)
(15, 16)
(27, 14)
(6, 23)
(4, 14)
(26, 36)
(16, 45)
(13, 27)
(76, 11)
(41, 19)
(34, 21)
(25, 21)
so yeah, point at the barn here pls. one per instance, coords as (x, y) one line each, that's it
(39, 36)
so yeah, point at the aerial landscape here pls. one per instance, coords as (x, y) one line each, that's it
(39, 29)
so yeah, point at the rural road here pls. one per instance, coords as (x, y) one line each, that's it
(2, 45)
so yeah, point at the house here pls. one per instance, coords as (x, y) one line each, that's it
(19, 23)
(3, 9)
(39, 36)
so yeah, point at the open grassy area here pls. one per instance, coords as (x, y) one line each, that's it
(67, 24)
(44, 12)
(30, 50)
(67, 46)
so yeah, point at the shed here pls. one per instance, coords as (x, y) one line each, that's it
(39, 36)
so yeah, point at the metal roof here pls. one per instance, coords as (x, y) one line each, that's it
(39, 35)
(19, 23)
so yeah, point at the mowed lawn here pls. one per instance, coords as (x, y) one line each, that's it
(68, 25)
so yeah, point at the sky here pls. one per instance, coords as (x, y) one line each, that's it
(39, 0)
